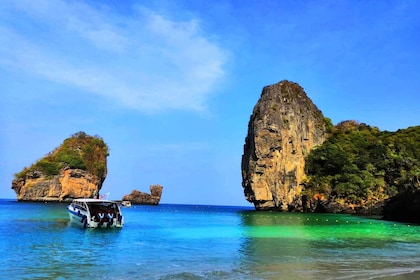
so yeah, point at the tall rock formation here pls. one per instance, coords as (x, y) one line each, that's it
(76, 169)
(284, 126)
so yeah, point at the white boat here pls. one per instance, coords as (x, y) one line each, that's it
(126, 203)
(95, 213)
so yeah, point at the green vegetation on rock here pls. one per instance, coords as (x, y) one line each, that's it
(361, 165)
(80, 151)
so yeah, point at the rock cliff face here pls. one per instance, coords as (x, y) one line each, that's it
(76, 169)
(284, 126)
(138, 197)
(69, 184)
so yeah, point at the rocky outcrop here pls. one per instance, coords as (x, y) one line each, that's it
(404, 207)
(76, 169)
(69, 184)
(284, 126)
(138, 197)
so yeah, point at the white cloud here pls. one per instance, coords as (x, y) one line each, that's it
(143, 61)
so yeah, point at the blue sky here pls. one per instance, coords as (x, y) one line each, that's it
(170, 85)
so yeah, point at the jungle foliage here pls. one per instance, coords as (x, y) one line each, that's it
(80, 151)
(359, 164)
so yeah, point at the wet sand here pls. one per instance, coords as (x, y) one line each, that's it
(405, 276)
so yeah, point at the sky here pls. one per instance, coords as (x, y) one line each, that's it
(170, 85)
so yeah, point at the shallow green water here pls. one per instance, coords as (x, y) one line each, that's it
(203, 242)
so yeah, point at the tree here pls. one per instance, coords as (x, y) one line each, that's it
(358, 163)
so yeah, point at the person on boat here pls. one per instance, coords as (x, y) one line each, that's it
(110, 217)
(101, 216)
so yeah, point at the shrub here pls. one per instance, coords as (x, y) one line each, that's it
(80, 151)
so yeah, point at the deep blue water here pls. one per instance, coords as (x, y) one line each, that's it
(203, 242)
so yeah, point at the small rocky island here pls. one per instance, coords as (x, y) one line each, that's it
(76, 169)
(295, 159)
(138, 197)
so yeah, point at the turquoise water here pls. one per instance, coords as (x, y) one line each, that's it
(203, 242)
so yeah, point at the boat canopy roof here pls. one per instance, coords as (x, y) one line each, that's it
(92, 200)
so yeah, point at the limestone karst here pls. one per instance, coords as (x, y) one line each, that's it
(284, 126)
(76, 169)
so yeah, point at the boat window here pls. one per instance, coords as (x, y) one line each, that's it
(79, 205)
(102, 207)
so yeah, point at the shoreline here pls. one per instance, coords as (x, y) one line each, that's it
(401, 276)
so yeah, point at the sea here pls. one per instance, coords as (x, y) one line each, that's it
(204, 242)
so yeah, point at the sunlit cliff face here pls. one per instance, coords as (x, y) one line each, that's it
(284, 127)
(69, 184)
